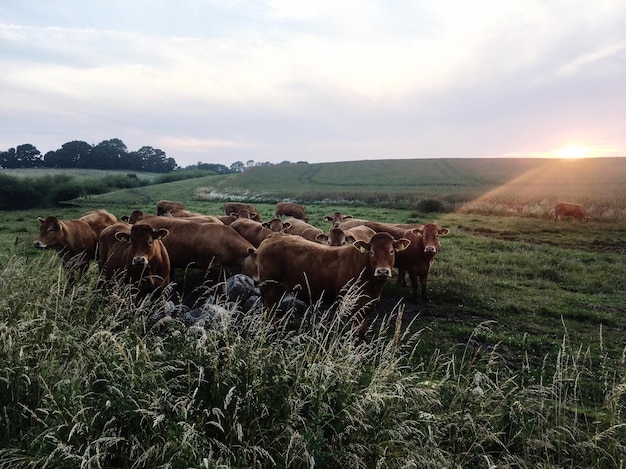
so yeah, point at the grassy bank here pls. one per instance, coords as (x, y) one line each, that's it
(86, 382)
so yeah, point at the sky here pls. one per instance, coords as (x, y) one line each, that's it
(220, 81)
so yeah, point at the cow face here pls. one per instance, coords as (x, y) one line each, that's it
(276, 225)
(381, 251)
(51, 233)
(141, 239)
(430, 236)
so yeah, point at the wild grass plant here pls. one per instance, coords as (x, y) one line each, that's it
(88, 379)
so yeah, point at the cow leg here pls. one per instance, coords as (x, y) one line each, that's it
(413, 279)
(271, 293)
(401, 277)
(423, 280)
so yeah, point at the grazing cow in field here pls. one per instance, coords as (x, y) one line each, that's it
(337, 218)
(290, 209)
(339, 237)
(418, 258)
(205, 245)
(288, 263)
(164, 206)
(75, 240)
(256, 232)
(295, 226)
(137, 251)
(234, 207)
(183, 213)
(566, 209)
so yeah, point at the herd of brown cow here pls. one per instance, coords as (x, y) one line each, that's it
(284, 256)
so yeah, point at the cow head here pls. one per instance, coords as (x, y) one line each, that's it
(336, 219)
(51, 233)
(335, 237)
(141, 238)
(276, 225)
(381, 251)
(430, 236)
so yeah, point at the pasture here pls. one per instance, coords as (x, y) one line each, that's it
(518, 360)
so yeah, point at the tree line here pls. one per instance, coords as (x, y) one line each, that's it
(108, 154)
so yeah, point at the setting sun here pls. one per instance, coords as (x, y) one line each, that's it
(572, 151)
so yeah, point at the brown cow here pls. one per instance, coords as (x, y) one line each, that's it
(418, 258)
(234, 207)
(337, 218)
(339, 237)
(205, 245)
(164, 206)
(256, 232)
(138, 253)
(567, 209)
(291, 209)
(295, 226)
(74, 240)
(317, 272)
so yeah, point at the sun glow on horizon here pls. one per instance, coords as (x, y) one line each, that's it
(572, 151)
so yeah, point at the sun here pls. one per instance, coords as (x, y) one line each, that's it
(572, 151)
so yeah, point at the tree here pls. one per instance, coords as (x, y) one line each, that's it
(28, 156)
(72, 154)
(107, 154)
(237, 167)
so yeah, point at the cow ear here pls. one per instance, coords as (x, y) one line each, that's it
(160, 233)
(350, 239)
(327, 218)
(41, 220)
(125, 218)
(443, 231)
(362, 246)
(251, 251)
(321, 238)
(417, 231)
(122, 237)
(286, 225)
(401, 244)
(265, 224)
(345, 217)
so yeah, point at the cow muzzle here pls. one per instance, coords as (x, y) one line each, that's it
(39, 245)
(382, 272)
(140, 261)
(430, 249)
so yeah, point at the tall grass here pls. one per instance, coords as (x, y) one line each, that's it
(87, 379)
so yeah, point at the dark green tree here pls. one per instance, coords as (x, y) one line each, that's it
(71, 155)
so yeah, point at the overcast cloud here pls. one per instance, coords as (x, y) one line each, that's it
(276, 80)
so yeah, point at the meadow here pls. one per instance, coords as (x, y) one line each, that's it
(518, 360)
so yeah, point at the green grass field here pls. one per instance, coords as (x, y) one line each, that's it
(518, 360)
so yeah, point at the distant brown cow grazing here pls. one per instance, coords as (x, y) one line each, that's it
(234, 207)
(290, 209)
(288, 263)
(205, 245)
(295, 226)
(339, 237)
(337, 218)
(182, 212)
(135, 251)
(164, 206)
(134, 217)
(74, 240)
(566, 209)
(256, 232)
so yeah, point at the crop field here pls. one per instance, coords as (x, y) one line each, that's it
(517, 360)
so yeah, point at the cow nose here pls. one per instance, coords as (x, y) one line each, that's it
(382, 272)
(430, 249)
(39, 244)
(140, 261)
